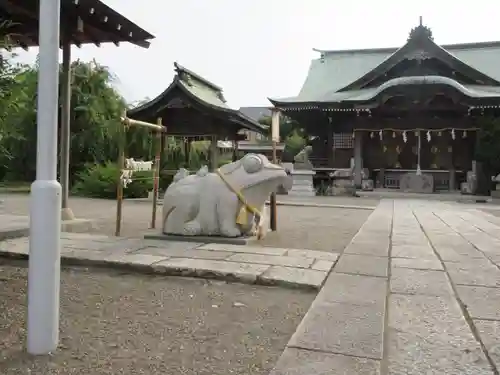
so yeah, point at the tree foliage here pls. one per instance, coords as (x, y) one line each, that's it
(291, 132)
(95, 136)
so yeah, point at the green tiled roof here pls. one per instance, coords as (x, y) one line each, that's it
(335, 70)
(205, 93)
(201, 88)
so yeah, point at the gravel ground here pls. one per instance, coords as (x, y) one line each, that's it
(315, 228)
(116, 323)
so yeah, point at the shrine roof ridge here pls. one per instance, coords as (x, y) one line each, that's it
(179, 69)
(389, 50)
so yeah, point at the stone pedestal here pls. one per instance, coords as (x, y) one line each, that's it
(302, 183)
(367, 185)
(343, 183)
(495, 194)
(469, 187)
(415, 183)
(453, 178)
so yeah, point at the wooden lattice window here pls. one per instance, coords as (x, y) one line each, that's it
(343, 140)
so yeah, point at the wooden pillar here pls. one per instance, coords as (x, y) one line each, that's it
(329, 144)
(235, 148)
(275, 136)
(453, 176)
(187, 151)
(358, 158)
(214, 154)
(65, 137)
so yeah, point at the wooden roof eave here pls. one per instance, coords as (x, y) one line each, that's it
(306, 105)
(138, 111)
(250, 124)
(101, 24)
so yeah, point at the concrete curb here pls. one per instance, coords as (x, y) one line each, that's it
(322, 205)
(162, 270)
(201, 239)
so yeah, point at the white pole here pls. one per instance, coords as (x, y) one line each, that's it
(45, 206)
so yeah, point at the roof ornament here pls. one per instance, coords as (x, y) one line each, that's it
(420, 32)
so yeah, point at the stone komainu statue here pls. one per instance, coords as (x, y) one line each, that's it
(225, 203)
(301, 160)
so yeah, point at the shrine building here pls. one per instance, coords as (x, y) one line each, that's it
(394, 111)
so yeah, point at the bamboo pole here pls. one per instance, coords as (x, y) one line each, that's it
(131, 122)
(121, 167)
(159, 129)
(273, 212)
(156, 175)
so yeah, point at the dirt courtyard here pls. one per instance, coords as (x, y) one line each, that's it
(120, 323)
(117, 323)
(314, 228)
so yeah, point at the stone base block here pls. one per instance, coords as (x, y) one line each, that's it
(414, 183)
(367, 185)
(302, 183)
(466, 188)
(495, 194)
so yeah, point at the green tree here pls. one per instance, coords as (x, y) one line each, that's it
(12, 98)
(96, 107)
(287, 126)
(291, 132)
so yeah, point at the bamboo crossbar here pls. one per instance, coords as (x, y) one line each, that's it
(160, 133)
(131, 122)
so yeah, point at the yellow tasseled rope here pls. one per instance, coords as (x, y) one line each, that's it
(242, 218)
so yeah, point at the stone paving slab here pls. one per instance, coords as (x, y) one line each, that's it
(248, 264)
(353, 289)
(306, 362)
(362, 265)
(342, 328)
(425, 282)
(417, 264)
(429, 335)
(481, 302)
(16, 226)
(485, 274)
(489, 331)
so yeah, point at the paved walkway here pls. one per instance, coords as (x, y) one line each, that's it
(416, 292)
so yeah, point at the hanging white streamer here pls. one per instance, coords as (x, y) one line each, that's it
(428, 136)
(453, 136)
(405, 138)
(381, 135)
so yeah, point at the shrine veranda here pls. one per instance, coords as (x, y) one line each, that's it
(389, 112)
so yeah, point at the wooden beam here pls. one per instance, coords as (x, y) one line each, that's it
(90, 18)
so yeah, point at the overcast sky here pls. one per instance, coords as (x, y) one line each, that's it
(257, 49)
